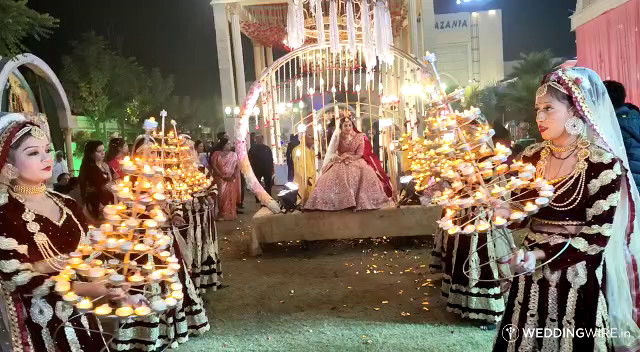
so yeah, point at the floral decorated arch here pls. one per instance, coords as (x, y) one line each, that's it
(312, 77)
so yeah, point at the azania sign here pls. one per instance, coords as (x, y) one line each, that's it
(453, 21)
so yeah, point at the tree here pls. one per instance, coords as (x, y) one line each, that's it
(489, 99)
(534, 65)
(86, 76)
(107, 86)
(18, 22)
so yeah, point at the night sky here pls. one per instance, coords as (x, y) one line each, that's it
(178, 36)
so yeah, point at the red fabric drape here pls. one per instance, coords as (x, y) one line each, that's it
(610, 45)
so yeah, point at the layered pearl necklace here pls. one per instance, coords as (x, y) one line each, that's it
(578, 174)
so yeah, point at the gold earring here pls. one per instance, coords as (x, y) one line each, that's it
(10, 172)
(574, 126)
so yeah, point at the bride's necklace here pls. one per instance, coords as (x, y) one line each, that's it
(578, 174)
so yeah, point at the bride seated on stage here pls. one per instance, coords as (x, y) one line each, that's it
(352, 177)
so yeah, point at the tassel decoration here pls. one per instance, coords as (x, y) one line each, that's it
(319, 20)
(383, 31)
(351, 28)
(295, 24)
(368, 45)
(334, 35)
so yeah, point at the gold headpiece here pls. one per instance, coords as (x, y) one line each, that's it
(542, 90)
(36, 131)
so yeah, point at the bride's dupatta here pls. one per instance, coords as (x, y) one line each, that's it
(372, 160)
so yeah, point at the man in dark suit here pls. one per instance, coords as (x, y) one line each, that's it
(261, 160)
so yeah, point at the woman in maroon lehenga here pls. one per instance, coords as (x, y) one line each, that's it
(352, 177)
(36, 226)
(587, 235)
(226, 173)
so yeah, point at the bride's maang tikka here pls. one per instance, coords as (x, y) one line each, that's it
(542, 90)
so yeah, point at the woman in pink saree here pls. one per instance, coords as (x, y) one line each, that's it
(226, 172)
(352, 177)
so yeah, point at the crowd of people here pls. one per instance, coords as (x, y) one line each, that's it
(577, 268)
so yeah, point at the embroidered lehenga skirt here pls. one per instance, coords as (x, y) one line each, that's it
(568, 299)
(201, 241)
(467, 261)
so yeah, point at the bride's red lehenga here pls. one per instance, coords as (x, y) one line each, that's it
(349, 181)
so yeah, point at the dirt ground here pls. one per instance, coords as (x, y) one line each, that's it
(356, 295)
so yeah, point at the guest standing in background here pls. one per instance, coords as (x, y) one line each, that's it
(629, 121)
(95, 180)
(293, 142)
(304, 166)
(220, 136)
(59, 166)
(226, 173)
(118, 148)
(202, 156)
(261, 160)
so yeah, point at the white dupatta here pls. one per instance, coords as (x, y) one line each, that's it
(592, 101)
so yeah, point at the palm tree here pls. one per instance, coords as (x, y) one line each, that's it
(535, 64)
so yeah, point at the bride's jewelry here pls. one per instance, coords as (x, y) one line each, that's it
(29, 190)
(578, 174)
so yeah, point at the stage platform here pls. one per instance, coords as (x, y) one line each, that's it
(318, 225)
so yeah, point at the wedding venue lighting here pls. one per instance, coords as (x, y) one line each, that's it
(132, 245)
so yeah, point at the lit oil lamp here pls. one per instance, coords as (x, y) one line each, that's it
(483, 226)
(142, 311)
(84, 304)
(70, 297)
(516, 216)
(500, 222)
(530, 208)
(103, 309)
(124, 311)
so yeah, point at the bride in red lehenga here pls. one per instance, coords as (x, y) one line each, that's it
(352, 176)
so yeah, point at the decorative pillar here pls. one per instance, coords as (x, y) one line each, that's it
(225, 67)
(241, 89)
(236, 35)
(269, 56)
(258, 63)
(413, 28)
(68, 145)
(428, 21)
